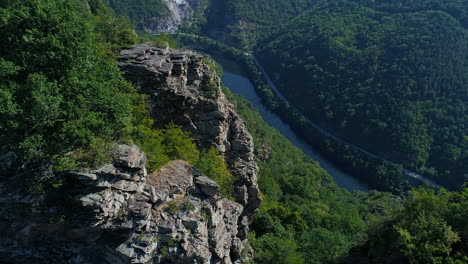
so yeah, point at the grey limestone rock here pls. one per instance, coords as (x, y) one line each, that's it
(207, 185)
(174, 215)
(130, 156)
(187, 92)
(180, 11)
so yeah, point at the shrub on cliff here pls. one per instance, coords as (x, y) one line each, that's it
(213, 165)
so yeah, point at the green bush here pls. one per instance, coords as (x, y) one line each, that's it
(214, 166)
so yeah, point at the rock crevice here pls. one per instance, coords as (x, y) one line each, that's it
(118, 213)
(185, 91)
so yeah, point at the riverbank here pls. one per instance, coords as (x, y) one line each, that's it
(239, 84)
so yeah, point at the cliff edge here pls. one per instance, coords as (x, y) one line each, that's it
(184, 90)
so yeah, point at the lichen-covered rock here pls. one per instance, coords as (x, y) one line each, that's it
(130, 157)
(185, 91)
(207, 185)
(174, 215)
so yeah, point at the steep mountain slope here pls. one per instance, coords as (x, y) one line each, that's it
(394, 83)
(141, 13)
(186, 92)
(162, 15)
(76, 188)
(70, 192)
(242, 23)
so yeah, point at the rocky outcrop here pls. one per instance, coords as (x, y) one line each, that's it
(117, 213)
(185, 91)
(120, 213)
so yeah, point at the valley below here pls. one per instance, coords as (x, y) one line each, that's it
(233, 132)
(241, 85)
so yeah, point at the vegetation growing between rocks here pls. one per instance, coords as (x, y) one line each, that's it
(61, 91)
(213, 165)
(163, 145)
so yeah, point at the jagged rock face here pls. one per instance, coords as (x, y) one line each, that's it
(180, 11)
(187, 92)
(120, 214)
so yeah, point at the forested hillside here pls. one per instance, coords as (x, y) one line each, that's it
(64, 104)
(306, 218)
(242, 23)
(60, 89)
(456, 8)
(140, 13)
(394, 82)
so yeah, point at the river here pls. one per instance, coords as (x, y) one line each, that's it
(242, 86)
(410, 174)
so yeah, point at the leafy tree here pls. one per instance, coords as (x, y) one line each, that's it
(426, 240)
(428, 229)
(272, 249)
(323, 246)
(59, 90)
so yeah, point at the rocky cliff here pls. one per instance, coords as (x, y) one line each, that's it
(118, 213)
(185, 91)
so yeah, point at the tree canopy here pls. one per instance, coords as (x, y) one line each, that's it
(59, 88)
(394, 83)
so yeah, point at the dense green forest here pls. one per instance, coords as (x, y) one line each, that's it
(306, 218)
(60, 88)
(393, 83)
(244, 22)
(140, 13)
(365, 71)
(64, 103)
(430, 228)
